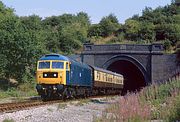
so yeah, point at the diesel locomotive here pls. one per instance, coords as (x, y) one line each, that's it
(59, 76)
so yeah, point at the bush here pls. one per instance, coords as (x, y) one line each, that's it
(167, 45)
(22, 90)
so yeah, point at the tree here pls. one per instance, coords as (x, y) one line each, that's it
(21, 45)
(3, 65)
(32, 22)
(52, 21)
(5, 10)
(132, 28)
(95, 30)
(70, 38)
(109, 25)
(167, 44)
(146, 31)
(83, 18)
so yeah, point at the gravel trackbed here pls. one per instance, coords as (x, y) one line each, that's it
(72, 111)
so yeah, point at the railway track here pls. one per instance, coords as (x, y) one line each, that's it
(16, 106)
(11, 107)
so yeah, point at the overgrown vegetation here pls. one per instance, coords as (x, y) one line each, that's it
(8, 120)
(81, 102)
(25, 39)
(8, 89)
(61, 106)
(156, 102)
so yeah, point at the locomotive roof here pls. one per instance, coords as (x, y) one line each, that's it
(63, 58)
(54, 57)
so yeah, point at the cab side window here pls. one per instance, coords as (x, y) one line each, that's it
(67, 65)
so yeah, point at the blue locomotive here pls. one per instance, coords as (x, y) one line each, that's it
(61, 77)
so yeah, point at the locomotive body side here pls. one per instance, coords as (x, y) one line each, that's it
(80, 75)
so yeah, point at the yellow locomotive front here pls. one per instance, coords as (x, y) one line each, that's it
(51, 75)
(51, 72)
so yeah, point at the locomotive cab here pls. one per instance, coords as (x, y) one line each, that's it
(53, 72)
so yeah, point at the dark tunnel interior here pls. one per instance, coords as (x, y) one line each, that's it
(133, 77)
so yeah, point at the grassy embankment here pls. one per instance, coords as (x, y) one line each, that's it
(156, 102)
(8, 89)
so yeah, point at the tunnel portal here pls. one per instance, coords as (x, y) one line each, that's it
(133, 77)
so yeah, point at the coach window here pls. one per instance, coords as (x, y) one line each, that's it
(106, 78)
(98, 76)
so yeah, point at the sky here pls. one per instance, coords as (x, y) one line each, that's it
(96, 9)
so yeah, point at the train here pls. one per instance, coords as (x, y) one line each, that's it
(59, 76)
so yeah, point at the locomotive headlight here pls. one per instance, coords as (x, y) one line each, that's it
(55, 75)
(45, 75)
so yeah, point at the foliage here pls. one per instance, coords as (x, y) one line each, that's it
(132, 28)
(95, 30)
(66, 33)
(167, 44)
(23, 90)
(20, 45)
(109, 25)
(61, 106)
(162, 23)
(25, 39)
(155, 102)
(8, 120)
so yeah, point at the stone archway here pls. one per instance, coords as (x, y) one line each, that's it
(135, 75)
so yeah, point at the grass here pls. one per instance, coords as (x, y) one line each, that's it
(8, 120)
(61, 106)
(81, 102)
(116, 40)
(18, 91)
(155, 102)
(49, 109)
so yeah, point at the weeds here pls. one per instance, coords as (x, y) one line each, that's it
(81, 102)
(61, 106)
(156, 102)
(49, 109)
(8, 120)
(23, 90)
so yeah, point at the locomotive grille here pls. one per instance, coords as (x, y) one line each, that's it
(50, 75)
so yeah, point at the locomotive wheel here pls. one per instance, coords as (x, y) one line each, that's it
(44, 97)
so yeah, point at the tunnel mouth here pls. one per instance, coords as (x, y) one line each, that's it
(134, 79)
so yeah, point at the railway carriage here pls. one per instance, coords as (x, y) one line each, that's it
(106, 81)
(61, 77)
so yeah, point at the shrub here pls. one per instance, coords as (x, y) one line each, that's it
(167, 45)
